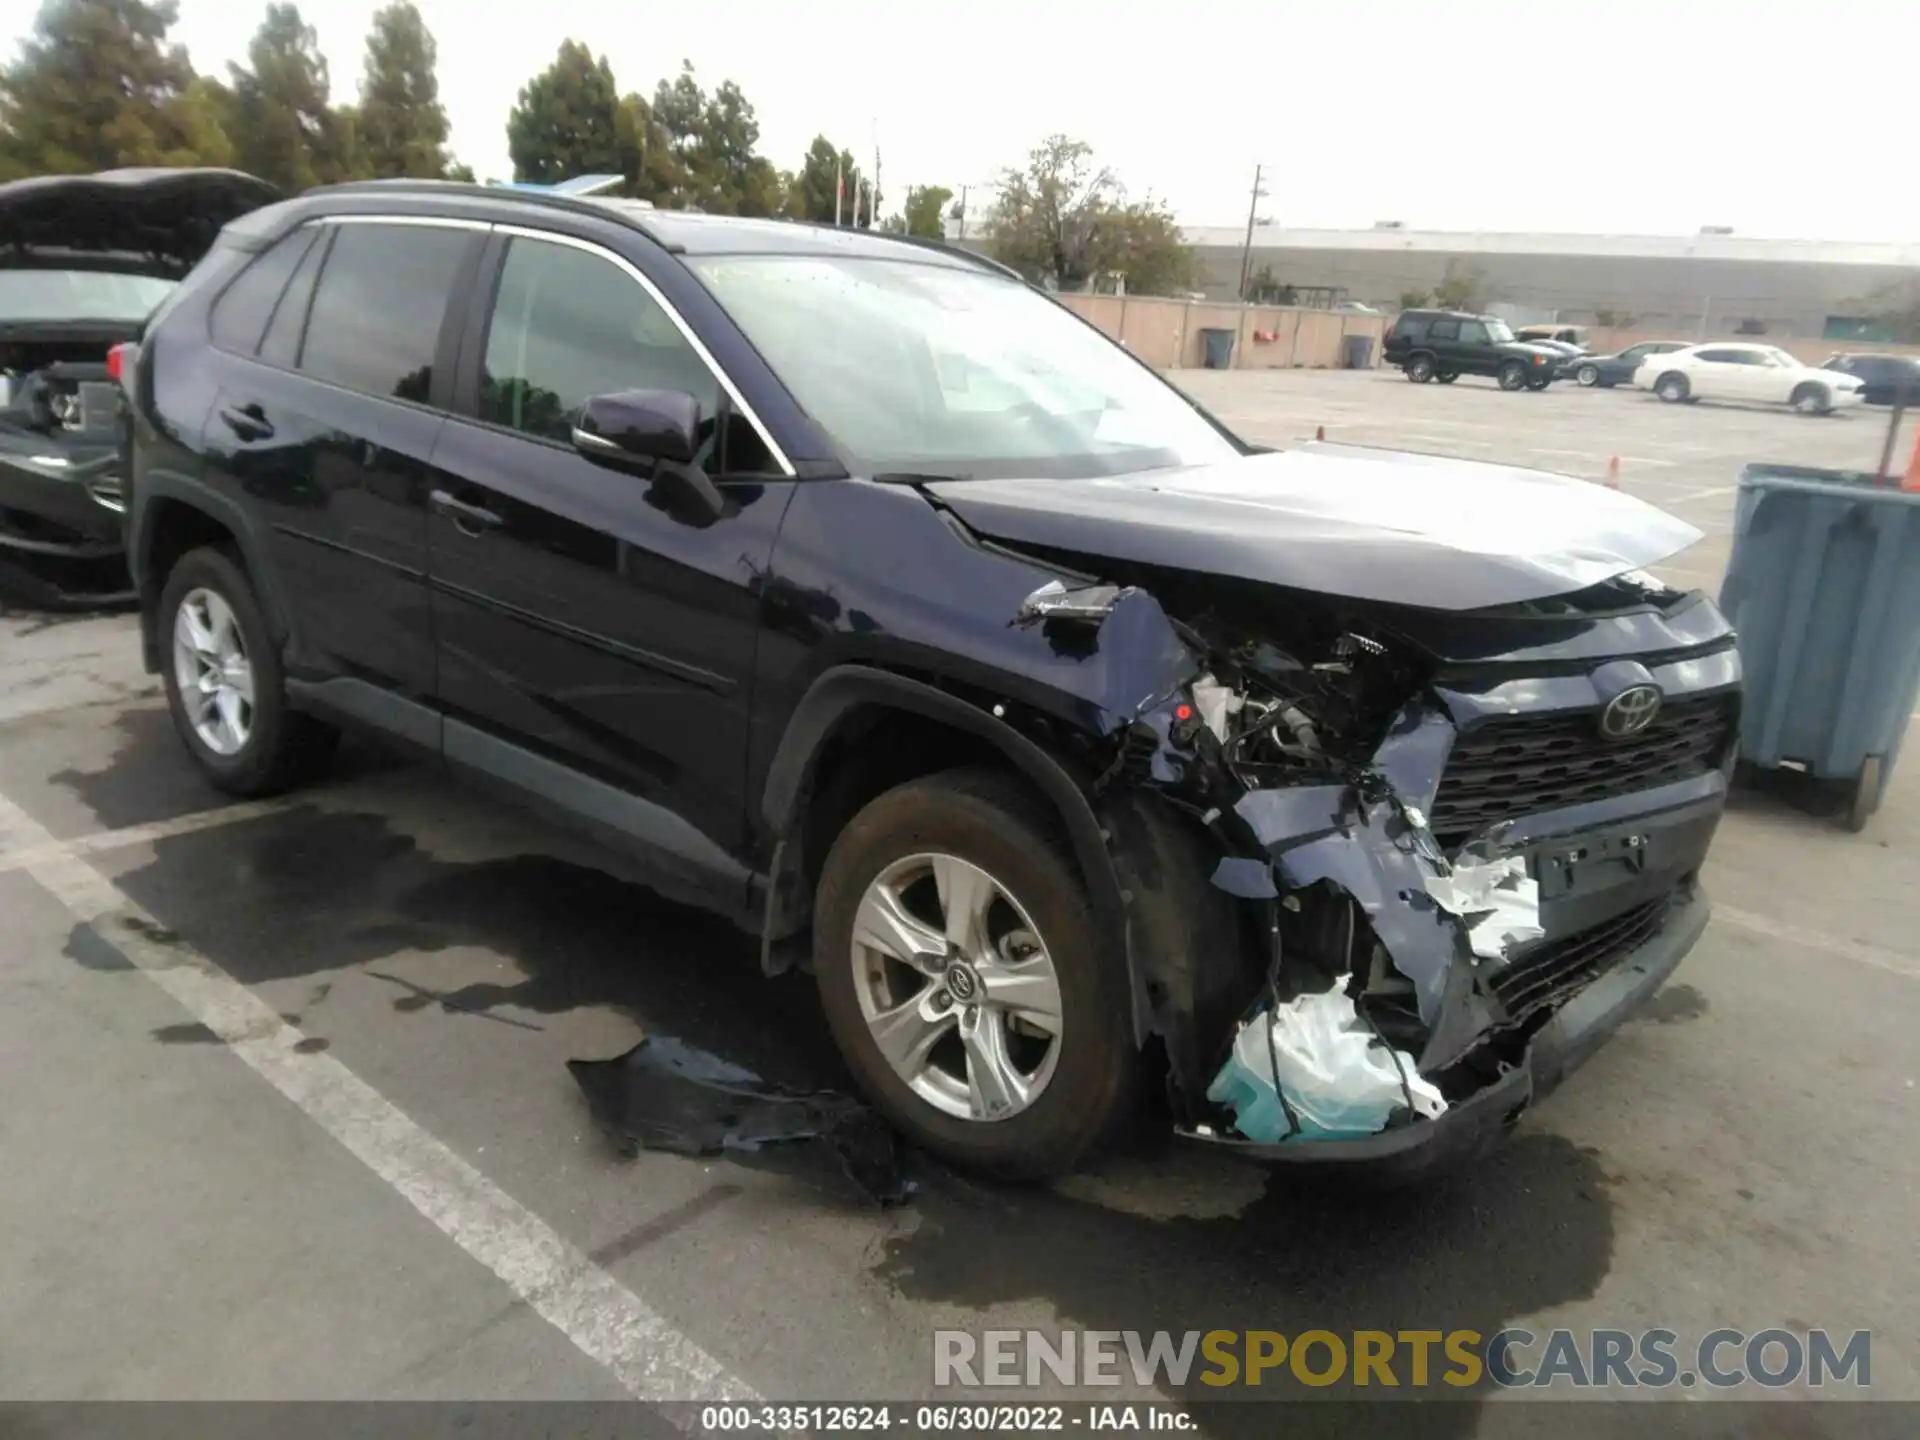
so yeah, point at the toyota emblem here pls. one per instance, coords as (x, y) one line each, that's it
(1630, 712)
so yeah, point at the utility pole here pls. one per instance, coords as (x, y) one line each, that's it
(1246, 250)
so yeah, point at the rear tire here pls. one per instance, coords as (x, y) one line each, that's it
(1672, 387)
(1074, 1086)
(1513, 376)
(1420, 369)
(227, 690)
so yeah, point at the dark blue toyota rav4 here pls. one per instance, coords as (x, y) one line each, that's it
(861, 592)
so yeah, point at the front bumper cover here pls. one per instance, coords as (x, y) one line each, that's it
(1473, 1125)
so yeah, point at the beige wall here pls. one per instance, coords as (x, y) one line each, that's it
(1166, 333)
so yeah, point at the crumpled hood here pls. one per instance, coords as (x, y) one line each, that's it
(147, 222)
(1380, 525)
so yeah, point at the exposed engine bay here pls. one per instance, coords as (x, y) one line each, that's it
(1310, 738)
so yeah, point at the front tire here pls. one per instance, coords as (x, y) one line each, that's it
(1588, 376)
(962, 975)
(1672, 388)
(1513, 376)
(1811, 400)
(225, 686)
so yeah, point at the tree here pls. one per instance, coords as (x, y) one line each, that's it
(1066, 219)
(1610, 319)
(400, 125)
(96, 85)
(1264, 288)
(1143, 243)
(1414, 299)
(567, 121)
(647, 160)
(284, 129)
(1048, 221)
(729, 177)
(1463, 287)
(925, 210)
(812, 196)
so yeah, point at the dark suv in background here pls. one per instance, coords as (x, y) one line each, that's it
(860, 592)
(1443, 345)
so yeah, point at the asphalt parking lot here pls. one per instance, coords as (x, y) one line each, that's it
(289, 1115)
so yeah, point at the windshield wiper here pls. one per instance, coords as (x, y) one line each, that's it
(913, 477)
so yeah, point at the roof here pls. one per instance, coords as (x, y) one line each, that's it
(690, 232)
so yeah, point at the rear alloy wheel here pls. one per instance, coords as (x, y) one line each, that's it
(1588, 375)
(1420, 369)
(1513, 376)
(1672, 388)
(961, 973)
(224, 684)
(1811, 400)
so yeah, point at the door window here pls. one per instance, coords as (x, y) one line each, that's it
(1472, 332)
(376, 315)
(568, 325)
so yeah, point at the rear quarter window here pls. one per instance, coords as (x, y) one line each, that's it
(241, 313)
(1410, 327)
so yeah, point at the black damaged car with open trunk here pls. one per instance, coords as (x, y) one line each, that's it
(84, 260)
(862, 593)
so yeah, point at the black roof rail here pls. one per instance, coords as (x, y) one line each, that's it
(578, 205)
(927, 242)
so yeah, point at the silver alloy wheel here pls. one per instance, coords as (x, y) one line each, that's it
(212, 671)
(957, 987)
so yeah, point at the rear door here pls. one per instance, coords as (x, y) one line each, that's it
(583, 615)
(329, 428)
(1443, 339)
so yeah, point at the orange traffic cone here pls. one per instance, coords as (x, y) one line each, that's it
(1613, 473)
(1911, 480)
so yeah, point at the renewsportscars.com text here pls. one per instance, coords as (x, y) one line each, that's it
(1514, 1357)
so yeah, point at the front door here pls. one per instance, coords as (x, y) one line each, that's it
(583, 614)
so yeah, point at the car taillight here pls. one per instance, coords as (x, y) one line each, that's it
(119, 360)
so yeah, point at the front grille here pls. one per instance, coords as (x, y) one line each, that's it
(1553, 972)
(1520, 765)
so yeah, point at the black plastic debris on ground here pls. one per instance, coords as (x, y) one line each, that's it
(665, 1095)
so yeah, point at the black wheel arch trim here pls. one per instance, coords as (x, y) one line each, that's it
(196, 494)
(836, 694)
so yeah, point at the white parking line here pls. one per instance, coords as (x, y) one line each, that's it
(1859, 951)
(103, 840)
(604, 1320)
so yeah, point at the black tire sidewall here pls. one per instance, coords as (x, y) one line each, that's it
(1677, 390)
(1588, 376)
(1091, 1085)
(253, 767)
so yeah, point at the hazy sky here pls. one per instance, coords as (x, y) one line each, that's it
(1580, 115)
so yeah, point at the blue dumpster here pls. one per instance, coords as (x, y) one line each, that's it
(1217, 348)
(1824, 590)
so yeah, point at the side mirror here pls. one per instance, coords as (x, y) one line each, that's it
(635, 429)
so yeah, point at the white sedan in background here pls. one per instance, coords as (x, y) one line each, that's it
(1757, 374)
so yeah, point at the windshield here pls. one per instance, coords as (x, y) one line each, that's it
(926, 369)
(78, 295)
(1498, 331)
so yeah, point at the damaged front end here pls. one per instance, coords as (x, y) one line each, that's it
(1394, 985)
